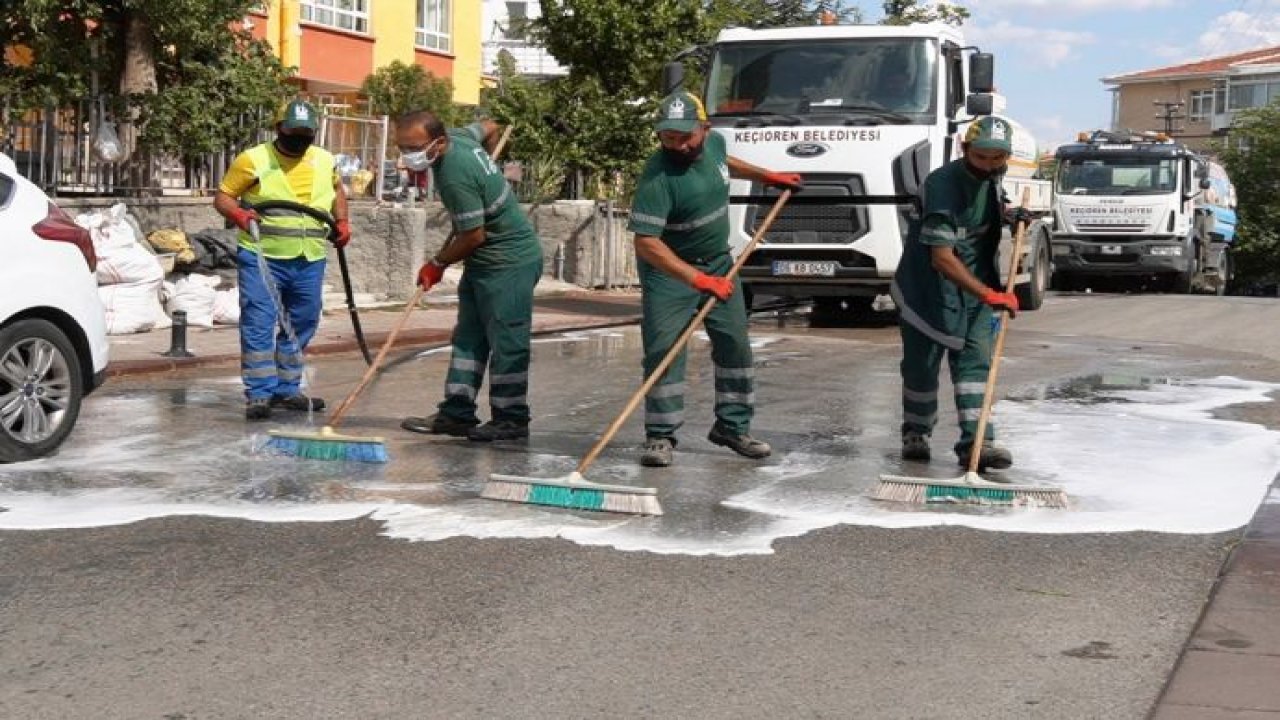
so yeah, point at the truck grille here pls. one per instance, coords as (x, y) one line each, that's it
(814, 224)
(1090, 227)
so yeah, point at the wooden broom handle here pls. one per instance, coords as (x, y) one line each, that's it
(988, 395)
(680, 342)
(350, 399)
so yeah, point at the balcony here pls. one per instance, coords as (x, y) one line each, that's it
(1220, 122)
(530, 59)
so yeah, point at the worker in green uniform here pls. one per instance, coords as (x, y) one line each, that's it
(503, 262)
(681, 222)
(946, 288)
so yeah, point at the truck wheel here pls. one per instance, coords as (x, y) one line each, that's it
(1226, 272)
(1031, 294)
(748, 297)
(1184, 282)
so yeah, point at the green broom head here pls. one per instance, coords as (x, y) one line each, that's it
(573, 493)
(327, 445)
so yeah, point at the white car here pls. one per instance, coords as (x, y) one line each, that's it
(53, 335)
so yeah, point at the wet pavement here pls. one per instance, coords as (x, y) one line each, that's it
(209, 579)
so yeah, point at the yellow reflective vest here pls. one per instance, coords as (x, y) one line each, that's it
(289, 234)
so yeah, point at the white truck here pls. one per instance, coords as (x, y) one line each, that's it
(864, 113)
(1140, 207)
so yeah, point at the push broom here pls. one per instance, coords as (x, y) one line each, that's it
(971, 488)
(328, 444)
(573, 491)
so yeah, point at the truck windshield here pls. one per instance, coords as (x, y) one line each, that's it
(878, 79)
(1117, 175)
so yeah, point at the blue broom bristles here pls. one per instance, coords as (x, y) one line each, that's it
(341, 450)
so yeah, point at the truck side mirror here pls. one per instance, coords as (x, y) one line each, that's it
(982, 72)
(978, 105)
(672, 77)
(1205, 184)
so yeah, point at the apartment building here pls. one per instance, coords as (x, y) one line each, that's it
(505, 24)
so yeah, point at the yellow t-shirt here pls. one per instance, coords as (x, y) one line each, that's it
(297, 171)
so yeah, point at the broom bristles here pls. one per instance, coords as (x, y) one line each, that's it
(572, 493)
(967, 491)
(344, 449)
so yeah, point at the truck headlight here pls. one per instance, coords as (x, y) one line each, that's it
(1167, 250)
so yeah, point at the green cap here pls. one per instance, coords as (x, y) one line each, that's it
(990, 133)
(680, 111)
(299, 114)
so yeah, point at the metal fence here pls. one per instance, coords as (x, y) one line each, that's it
(612, 261)
(360, 147)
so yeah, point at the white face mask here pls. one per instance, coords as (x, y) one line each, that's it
(422, 159)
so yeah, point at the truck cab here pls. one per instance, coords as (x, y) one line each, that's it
(1140, 207)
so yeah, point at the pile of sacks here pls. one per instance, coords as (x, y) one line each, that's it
(132, 278)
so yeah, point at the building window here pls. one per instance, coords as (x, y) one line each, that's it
(434, 25)
(1243, 97)
(350, 15)
(1201, 105)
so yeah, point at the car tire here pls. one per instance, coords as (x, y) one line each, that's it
(41, 388)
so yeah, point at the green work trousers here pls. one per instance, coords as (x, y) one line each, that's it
(921, 361)
(667, 306)
(495, 315)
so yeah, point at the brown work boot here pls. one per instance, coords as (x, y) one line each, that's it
(989, 458)
(744, 444)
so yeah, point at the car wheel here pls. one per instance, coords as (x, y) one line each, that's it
(40, 389)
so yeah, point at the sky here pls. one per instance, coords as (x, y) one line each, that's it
(1052, 54)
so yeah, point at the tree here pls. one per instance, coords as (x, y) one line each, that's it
(1252, 160)
(776, 13)
(397, 88)
(908, 12)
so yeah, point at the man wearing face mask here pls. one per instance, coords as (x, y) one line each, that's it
(947, 287)
(681, 222)
(503, 263)
(293, 245)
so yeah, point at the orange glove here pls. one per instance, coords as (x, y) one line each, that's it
(344, 233)
(242, 217)
(1002, 300)
(721, 287)
(786, 181)
(429, 274)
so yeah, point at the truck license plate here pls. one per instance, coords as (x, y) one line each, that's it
(1111, 250)
(821, 268)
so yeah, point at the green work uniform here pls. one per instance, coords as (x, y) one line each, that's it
(495, 296)
(960, 211)
(687, 207)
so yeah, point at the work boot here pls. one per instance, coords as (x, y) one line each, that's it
(438, 424)
(916, 447)
(499, 430)
(298, 403)
(744, 445)
(990, 458)
(257, 409)
(657, 452)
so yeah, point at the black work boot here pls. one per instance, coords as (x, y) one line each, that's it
(257, 409)
(658, 452)
(499, 430)
(744, 445)
(989, 458)
(438, 424)
(297, 403)
(915, 446)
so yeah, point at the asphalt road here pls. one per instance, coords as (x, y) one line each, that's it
(743, 611)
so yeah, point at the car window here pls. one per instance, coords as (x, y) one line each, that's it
(7, 186)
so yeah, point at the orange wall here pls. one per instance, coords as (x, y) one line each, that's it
(335, 57)
(439, 65)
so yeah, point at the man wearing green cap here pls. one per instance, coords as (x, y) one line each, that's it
(946, 288)
(293, 246)
(681, 222)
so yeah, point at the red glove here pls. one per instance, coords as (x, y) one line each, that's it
(721, 287)
(786, 181)
(344, 233)
(1002, 300)
(242, 216)
(429, 274)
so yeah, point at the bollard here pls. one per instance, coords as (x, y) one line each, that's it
(178, 337)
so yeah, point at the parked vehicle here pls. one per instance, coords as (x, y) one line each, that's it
(1138, 207)
(53, 338)
(864, 113)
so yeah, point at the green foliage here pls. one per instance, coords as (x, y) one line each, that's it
(908, 12)
(1255, 172)
(399, 88)
(776, 13)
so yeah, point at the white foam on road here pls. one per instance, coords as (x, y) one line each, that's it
(1153, 460)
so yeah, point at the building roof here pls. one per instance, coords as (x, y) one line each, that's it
(1213, 66)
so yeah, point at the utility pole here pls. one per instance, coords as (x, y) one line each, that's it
(1170, 115)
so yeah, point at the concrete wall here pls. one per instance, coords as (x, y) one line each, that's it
(390, 243)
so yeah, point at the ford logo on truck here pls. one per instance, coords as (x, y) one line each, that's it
(806, 149)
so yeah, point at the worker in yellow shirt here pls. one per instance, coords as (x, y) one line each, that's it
(292, 244)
